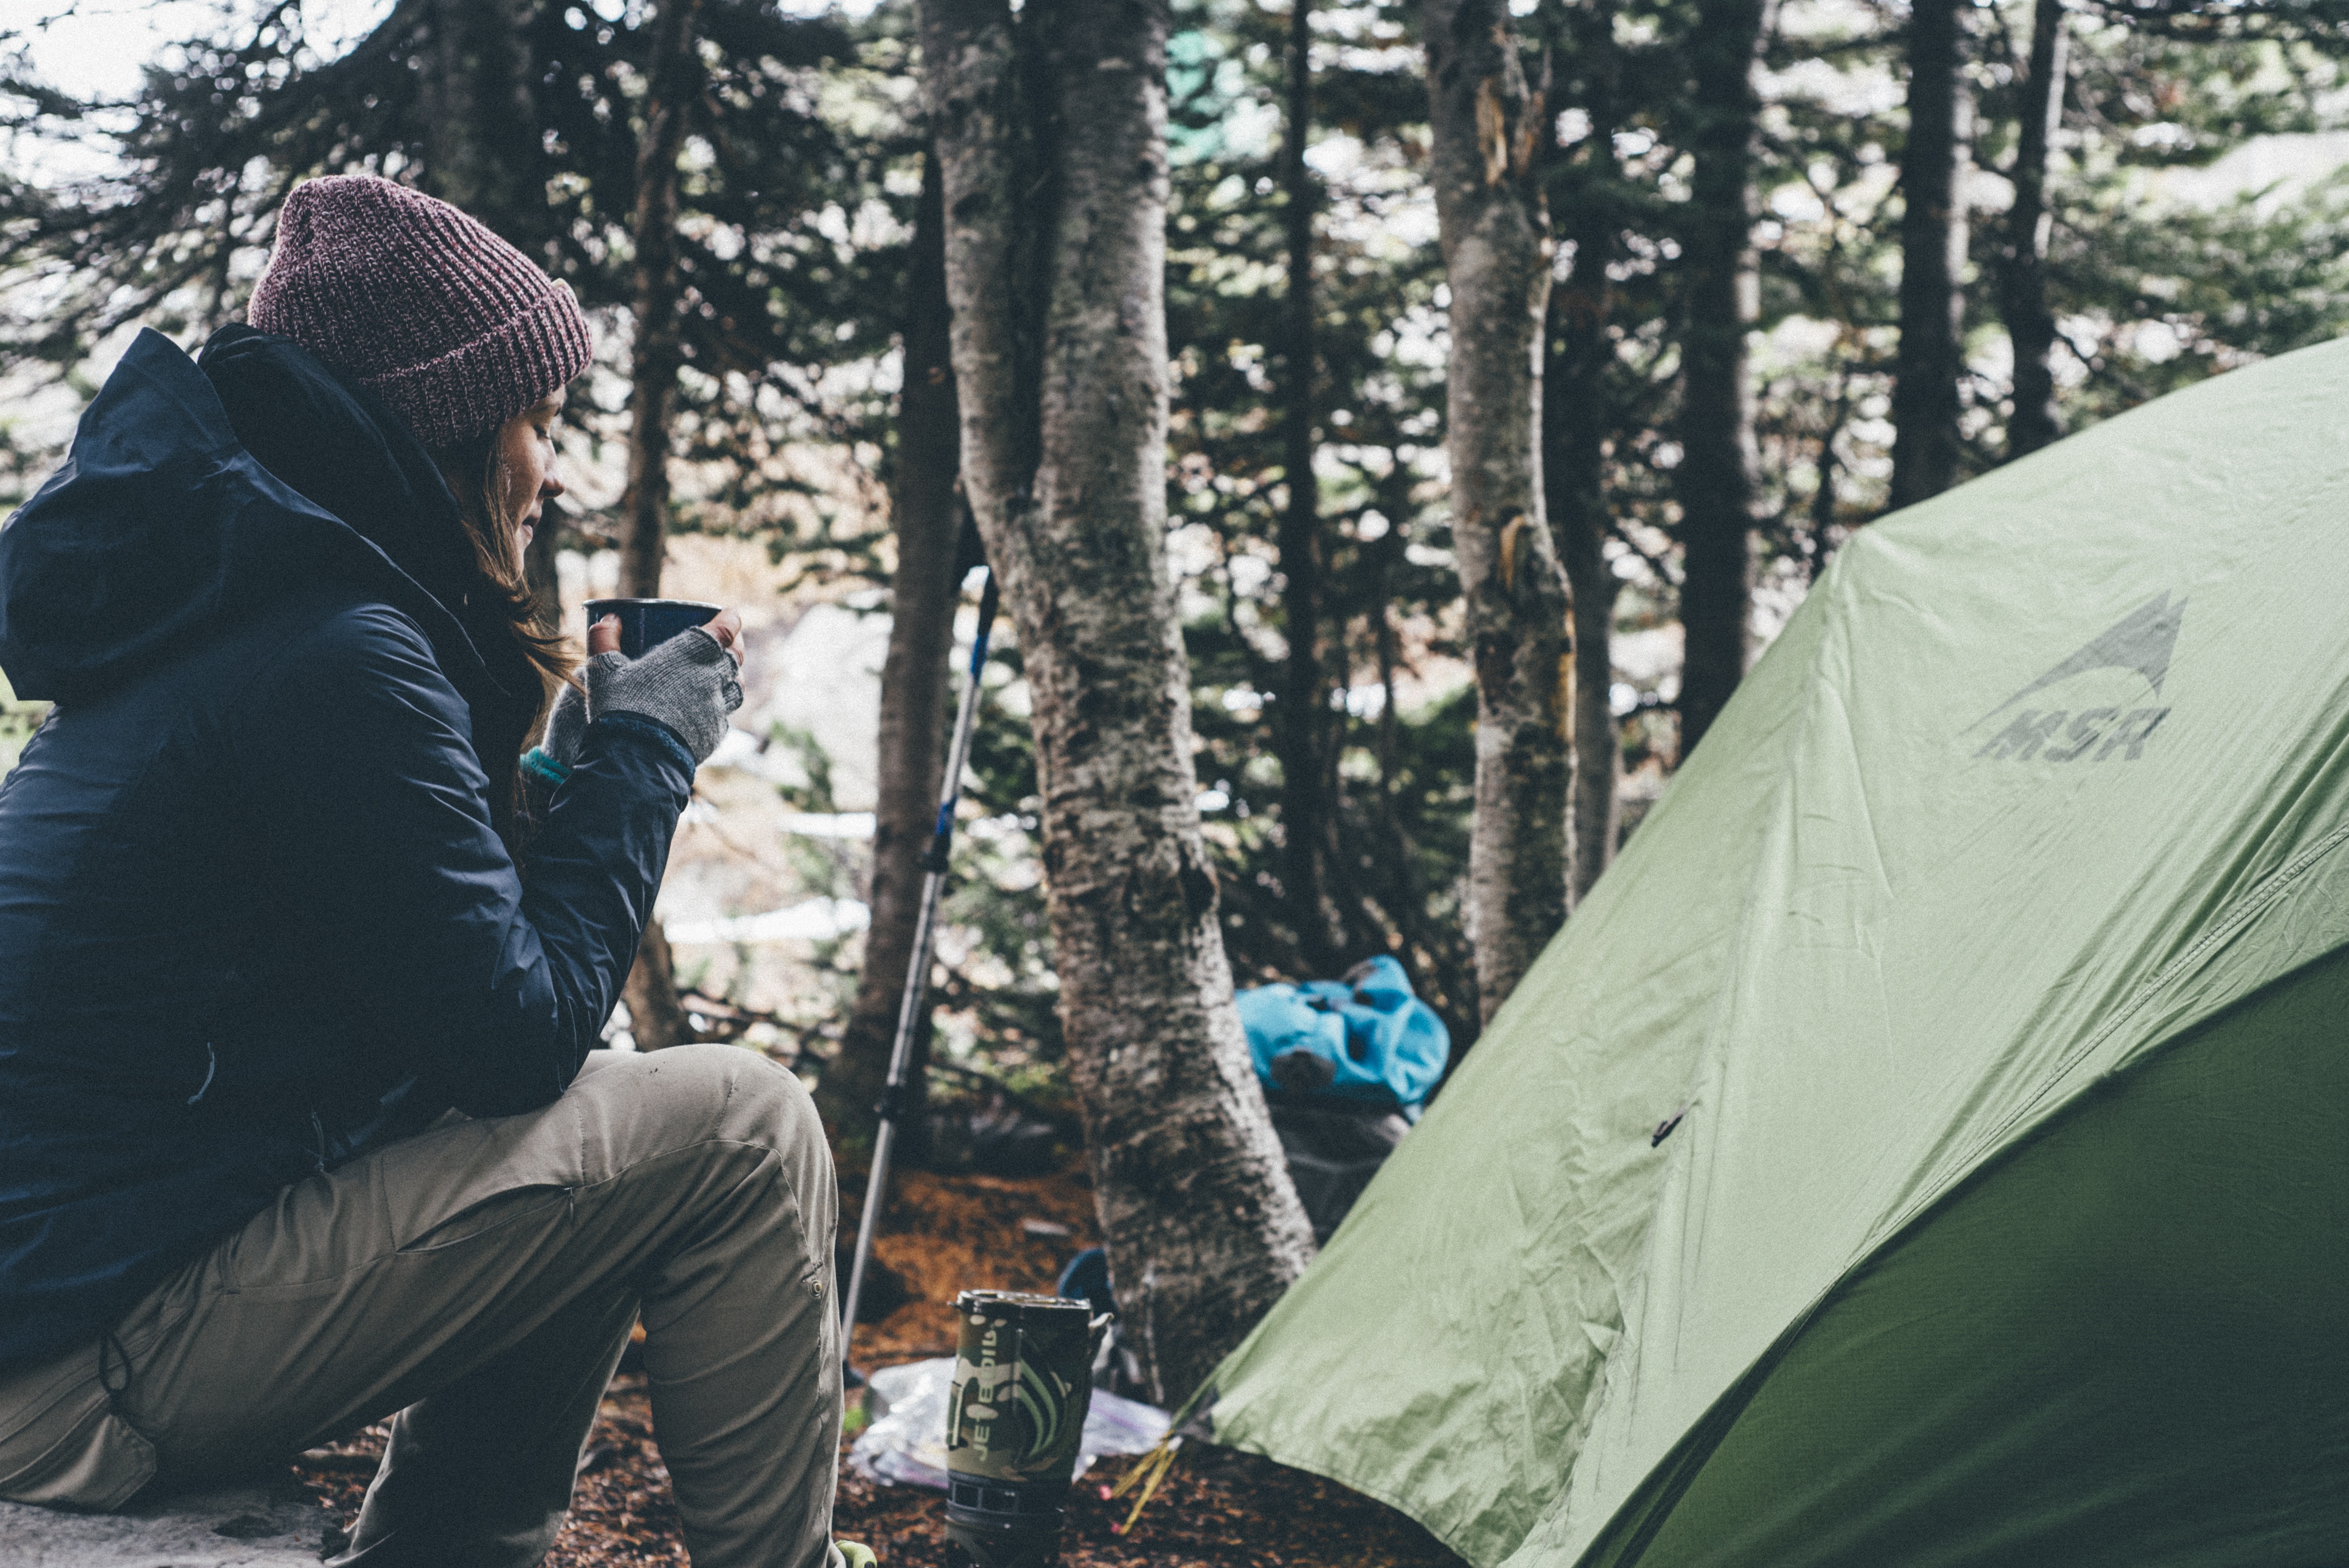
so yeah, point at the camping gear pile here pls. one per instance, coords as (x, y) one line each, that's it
(1365, 1038)
(1929, 1141)
(1346, 1066)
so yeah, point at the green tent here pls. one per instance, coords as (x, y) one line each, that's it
(1930, 1143)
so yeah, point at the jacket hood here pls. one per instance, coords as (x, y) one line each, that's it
(163, 524)
(342, 448)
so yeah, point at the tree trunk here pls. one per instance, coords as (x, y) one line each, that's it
(656, 354)
(1598, 738)
(1302, 714)
(923, 593)
(482, 148)
(1925, 444)
(2022, 288)
(1715, 480)
(1052, 133)
(1575, 417)
(1486, 127)
(658, 346)
(656, 1015)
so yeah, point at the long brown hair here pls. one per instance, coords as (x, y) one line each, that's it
(475, 470)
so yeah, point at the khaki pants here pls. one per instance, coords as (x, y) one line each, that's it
(480, 1279)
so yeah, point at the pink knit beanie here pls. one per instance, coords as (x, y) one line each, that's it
(452, 326)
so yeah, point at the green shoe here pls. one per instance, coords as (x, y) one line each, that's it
(854, 1554)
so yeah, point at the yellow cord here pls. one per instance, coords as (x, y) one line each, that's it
(1150, 1469)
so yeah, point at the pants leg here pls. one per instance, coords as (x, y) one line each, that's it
(747, 1418)
(745, 1371)
(481, 1471)
(477, 1271)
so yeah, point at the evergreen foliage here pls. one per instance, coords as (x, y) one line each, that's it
(798, 183)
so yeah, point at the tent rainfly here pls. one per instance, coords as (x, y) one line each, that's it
(1928, 1145)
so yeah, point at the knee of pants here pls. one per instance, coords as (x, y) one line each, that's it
(729, 1092)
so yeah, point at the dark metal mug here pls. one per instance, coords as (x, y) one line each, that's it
(648, 623)
(1015, 1419)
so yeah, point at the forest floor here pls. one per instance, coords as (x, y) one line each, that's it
(941, 1234)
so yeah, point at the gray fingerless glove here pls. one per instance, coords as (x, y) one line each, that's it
(687, 683)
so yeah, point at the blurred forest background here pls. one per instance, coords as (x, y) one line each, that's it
(1808, 259)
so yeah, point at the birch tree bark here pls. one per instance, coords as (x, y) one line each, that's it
(923, 592)
(1050, 131)
(1486, 125)
(1715, 480)
(1575, 417)
(1925, 405)
(2023, 285)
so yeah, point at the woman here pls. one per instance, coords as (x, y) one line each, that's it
(298, 1123)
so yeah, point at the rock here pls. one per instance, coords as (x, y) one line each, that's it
(263, 1523)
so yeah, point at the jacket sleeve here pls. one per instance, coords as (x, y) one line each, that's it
(361, 750)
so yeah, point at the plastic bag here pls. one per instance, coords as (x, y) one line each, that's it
(907, 1443)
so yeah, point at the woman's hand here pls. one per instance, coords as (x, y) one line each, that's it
(567, 723)
(678, 685)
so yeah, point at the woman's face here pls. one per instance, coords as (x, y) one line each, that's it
(526, 466)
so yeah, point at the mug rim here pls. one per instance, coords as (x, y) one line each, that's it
(692, 604)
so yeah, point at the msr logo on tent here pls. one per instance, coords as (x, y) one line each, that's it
(2139, 645)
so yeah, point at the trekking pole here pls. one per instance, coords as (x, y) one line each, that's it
(894, 1098)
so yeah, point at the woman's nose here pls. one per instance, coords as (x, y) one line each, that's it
(552, 486)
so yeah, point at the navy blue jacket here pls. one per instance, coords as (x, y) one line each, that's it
(254, 911)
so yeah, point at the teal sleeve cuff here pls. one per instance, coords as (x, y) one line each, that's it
(545, 769)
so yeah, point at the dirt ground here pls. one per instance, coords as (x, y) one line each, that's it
(940, 1235)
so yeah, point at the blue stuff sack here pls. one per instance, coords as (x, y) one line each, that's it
(1365, 1037)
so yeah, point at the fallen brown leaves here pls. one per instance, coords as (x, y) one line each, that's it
(943, 1234)
(622, 1510)
(1216, 1509)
